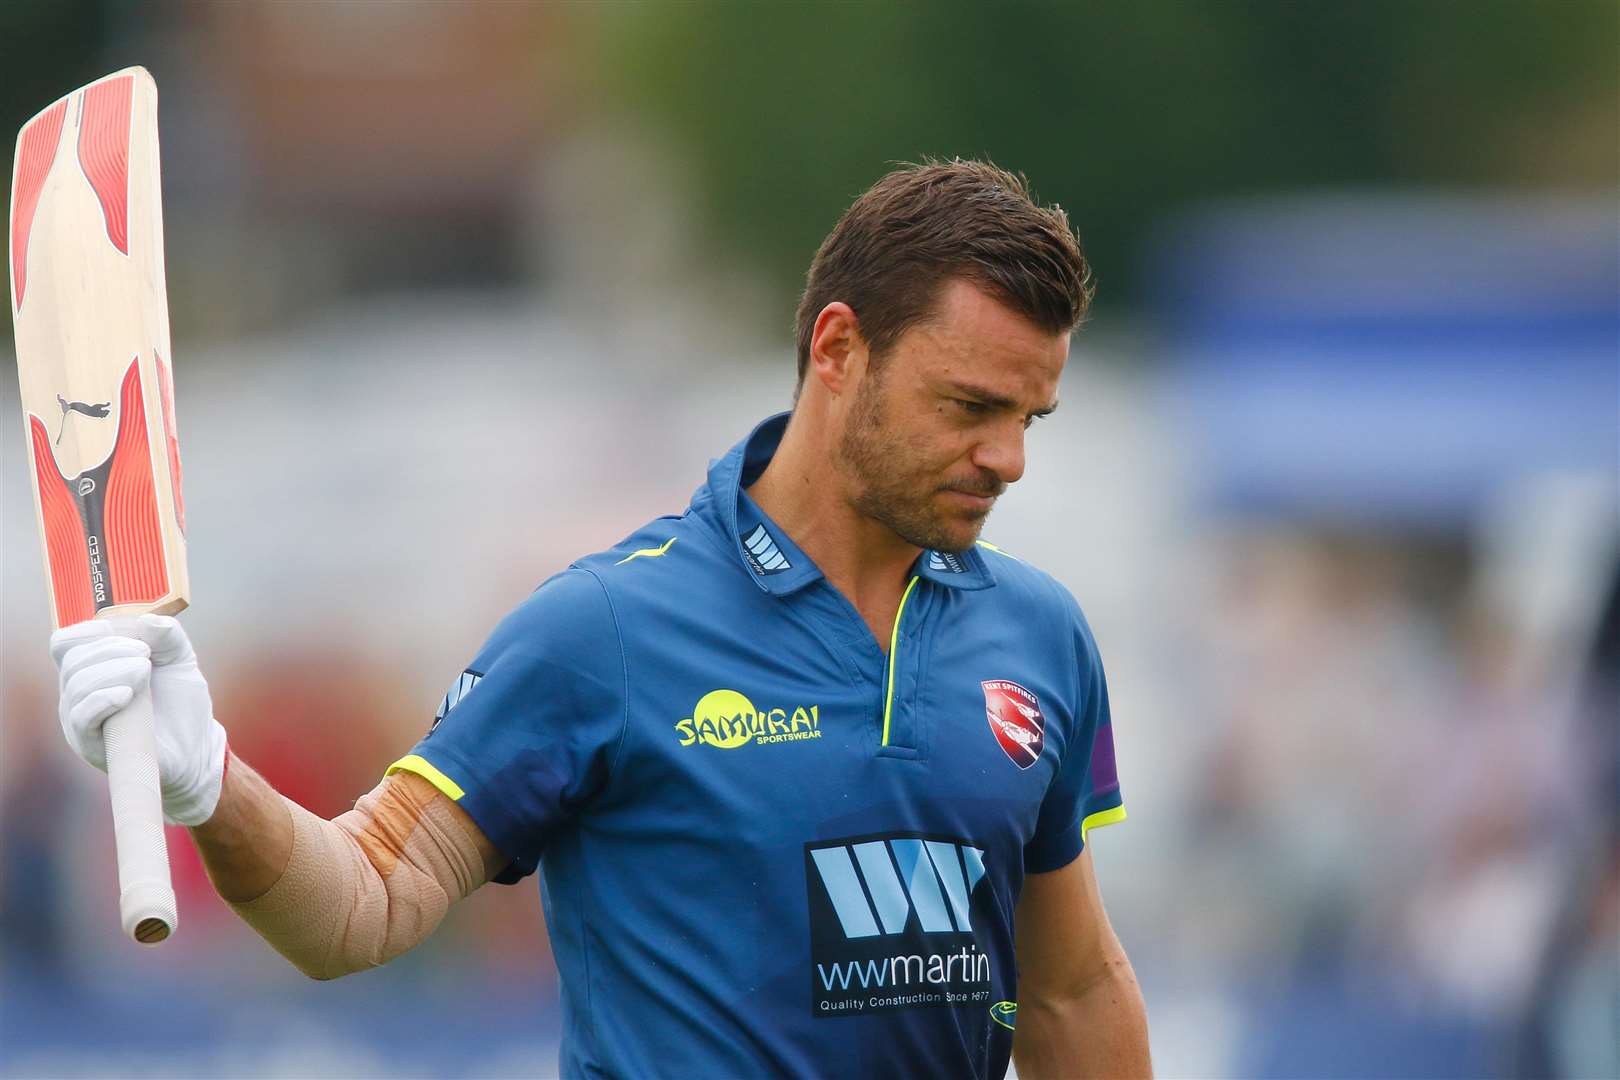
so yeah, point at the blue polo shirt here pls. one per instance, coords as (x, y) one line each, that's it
(769, 846)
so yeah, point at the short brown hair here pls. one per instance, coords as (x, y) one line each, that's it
(922, 225)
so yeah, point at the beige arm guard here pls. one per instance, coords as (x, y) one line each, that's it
(366, 886)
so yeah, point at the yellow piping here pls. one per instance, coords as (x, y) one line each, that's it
(427, 771)
(894, 643)
(988, 546)
(649, 553)
(1100, 818)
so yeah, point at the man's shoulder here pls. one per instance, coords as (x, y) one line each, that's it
(669, 557)
(1030, 590)
(1022, 578)
(674, 552)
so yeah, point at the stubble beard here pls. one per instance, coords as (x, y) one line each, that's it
(887, 489)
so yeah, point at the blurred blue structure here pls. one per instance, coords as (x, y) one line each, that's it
(410, 1019)
(1392, 359)
(1392, 376)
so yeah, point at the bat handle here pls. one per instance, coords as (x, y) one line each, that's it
(145, 895)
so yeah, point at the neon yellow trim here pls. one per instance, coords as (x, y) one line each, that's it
(1100, 818)
(987, 545)
(894, 643)
(425, 769)
(651, 553)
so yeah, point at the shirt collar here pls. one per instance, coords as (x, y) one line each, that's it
(768, 553)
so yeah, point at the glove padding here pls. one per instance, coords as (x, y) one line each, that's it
(104, 663)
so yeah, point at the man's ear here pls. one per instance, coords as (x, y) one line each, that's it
(838, 353)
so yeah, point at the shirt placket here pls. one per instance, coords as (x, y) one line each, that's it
(902, 733)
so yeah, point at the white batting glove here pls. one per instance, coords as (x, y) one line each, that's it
(104, 663)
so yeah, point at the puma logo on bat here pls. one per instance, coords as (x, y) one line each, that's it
(100, 412)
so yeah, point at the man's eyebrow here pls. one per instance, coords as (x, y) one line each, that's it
(993, 399)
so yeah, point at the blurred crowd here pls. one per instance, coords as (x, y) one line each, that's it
(1409, 809)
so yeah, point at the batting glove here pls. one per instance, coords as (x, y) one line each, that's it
(104, 663)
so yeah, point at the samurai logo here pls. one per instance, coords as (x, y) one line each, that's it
(726, 719)
(1015, 720)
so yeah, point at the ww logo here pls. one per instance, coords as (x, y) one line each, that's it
(893, 924)
(932, 880)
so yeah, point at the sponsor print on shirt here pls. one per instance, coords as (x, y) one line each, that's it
(764, 555)
(1015, 720)
(726, 719)
(892, 924)
(452, 697)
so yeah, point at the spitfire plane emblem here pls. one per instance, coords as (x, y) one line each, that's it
(1015, 720)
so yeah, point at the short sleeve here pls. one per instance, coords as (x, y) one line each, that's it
(526, 736)
(1085, 793)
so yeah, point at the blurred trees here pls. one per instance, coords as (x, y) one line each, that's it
(1120, 112)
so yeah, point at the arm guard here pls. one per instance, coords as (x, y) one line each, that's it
(366, 886)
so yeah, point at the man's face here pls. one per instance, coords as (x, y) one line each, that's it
(937, 432)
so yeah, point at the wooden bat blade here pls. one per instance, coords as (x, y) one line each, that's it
(92, 325)
(91, 316)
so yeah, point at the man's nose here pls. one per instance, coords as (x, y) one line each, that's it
(1003, 452)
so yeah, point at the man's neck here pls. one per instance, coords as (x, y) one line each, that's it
(803, 494)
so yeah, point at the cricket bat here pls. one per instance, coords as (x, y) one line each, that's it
(92, 324)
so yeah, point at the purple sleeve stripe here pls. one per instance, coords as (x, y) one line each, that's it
(1104, 773)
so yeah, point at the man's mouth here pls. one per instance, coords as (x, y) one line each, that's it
(984, 491)
(971, 499)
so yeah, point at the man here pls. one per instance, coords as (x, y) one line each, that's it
(794, 765)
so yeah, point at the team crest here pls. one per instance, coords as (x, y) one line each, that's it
(1015, 720)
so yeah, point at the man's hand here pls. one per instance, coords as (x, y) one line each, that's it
(103, 663)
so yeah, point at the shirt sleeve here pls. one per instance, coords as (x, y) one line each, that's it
(527, 735)
(1085, 793)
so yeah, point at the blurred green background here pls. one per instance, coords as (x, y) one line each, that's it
(779, 114)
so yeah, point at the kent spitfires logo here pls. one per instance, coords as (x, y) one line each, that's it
(1015, 720)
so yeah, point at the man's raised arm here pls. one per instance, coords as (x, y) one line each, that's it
(333, 897)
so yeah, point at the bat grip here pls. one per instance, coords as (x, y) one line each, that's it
(145, 895)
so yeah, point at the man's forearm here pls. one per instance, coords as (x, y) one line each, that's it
(1099, 1032)
(339, 896)
(245, 845)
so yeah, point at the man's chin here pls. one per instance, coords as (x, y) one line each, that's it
(952, 539)
(925, 526)
(958, 536)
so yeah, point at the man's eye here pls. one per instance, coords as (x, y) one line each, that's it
(973, 408)
(1031, 418)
